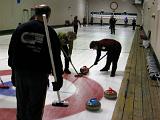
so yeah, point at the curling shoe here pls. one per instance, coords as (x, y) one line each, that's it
(112, 75)
(104, 69)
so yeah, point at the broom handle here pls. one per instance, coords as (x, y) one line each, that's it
(102, 57)
(98, 60)
(50, 52)
(69, 60)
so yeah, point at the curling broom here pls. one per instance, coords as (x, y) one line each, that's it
(78, 74)
(58, 103)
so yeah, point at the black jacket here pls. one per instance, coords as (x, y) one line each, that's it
(111, 46)
(28, 49)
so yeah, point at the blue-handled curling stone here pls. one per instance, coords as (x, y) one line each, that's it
(93, 104)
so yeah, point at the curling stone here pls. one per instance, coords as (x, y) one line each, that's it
(110, 94)
(93, 105)
(84, 70)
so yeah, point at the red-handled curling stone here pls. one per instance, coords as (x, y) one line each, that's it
(4, 86)
(84, 70)
(110, 94)
(93, 105)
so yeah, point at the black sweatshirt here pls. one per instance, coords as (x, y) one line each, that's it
(28, 49)
(109, 45)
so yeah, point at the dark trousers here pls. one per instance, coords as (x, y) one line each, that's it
(134, 27)
(112, 29)
(75, 28)
(31, 90)
(65, 48)
(112, 57)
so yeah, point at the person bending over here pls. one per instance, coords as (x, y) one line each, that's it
(113, 49)
(66, 40)
(112, 22)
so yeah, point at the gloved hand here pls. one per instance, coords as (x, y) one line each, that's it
(57, 86)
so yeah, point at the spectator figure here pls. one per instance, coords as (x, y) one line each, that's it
(29, 58)
(101, 21)
(91, 20)
(84, 22)
(113, 49)
(134, 23)
(126, 21)
(112, 23)
(75, 24)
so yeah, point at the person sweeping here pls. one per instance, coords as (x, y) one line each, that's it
(113, 49)
(66, 40)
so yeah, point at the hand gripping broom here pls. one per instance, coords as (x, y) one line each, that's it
(58, 103)
(84, 70)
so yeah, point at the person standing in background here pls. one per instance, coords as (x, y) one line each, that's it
(75, 24)
(84, 22)
(101, 21)
(91, 21)
(125, 21)
(112, 23)
(134, 23)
